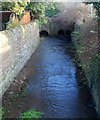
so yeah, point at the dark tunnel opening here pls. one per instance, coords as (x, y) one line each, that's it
(61, 32)
(44, 33)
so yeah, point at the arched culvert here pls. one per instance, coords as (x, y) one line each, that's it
(60, 32)
(44, 33)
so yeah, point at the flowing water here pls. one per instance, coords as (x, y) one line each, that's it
(53, 87)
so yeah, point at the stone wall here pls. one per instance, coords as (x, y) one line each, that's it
(16, 47)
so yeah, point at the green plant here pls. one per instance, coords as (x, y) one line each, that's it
(52, 10)
(39, 10)
(31, 114)
(94, 71)
(16, 7)
(3, 111)
(19, 95)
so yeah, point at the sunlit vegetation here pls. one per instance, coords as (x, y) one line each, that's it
(31, 114)
(26, 115)
(40, 11)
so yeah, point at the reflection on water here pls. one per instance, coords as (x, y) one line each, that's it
(54, 88)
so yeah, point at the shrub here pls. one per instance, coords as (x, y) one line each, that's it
(31, 114)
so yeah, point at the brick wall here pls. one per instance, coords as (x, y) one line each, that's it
(16, 47)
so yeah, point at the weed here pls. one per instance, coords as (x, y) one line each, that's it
(31, 114)
(19, 95)
(3, 111)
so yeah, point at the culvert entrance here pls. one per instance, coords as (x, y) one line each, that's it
(60, 32)
(43, 33)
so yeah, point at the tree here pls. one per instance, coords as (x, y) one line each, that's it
(40, 11)
(52, 9)
(16, 7)
(96, 6)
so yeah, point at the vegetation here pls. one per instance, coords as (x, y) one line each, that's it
(3, 111)
(52, 10)
(19, 95)
(39, 10)
(86, 40)
(94, 71)
(31, 114)
(96, 6)
(16, 7)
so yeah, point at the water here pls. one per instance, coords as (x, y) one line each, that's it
(55, 84)
(53, 87)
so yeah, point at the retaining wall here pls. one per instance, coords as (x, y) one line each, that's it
(16, 47)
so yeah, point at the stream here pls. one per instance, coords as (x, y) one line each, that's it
(53, 87)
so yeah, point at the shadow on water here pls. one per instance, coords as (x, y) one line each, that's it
(53, 87)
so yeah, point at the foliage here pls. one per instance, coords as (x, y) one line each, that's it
(39, 10)
(94, 71)
(3, 111)
(19, 95)
(96, 6)
(16, 7)
(31, 114)
(42, 10)
(51, 10)
(81, 39)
